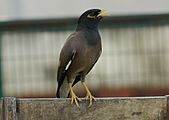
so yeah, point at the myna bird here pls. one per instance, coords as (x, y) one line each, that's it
(79, 54)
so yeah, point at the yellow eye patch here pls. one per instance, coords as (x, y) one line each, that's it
(92, 17)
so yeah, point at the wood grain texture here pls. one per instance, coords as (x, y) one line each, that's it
(9, 108)
(125, 108)
(103, 109)
(1, 109)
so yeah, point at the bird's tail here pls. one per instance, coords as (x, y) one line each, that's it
(63, 89)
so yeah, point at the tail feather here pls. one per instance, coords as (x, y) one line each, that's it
(57, 93)
(61, 79)
(63, 89)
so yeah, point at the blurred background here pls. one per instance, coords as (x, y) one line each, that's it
(135, 38)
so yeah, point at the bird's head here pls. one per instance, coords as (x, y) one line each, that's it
(91, 18)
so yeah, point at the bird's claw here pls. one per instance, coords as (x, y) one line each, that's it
(76, 99)
(91, 98)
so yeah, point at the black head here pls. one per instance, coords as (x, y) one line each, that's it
(91, 18)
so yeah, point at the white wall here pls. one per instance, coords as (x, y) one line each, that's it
(28, 9)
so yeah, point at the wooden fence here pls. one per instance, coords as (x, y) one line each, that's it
(123, 108)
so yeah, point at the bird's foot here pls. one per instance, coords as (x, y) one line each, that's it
(75, 99)
(89, 95)
(91, 98)
(73, 96)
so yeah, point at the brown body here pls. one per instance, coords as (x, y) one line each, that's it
(79, 54)
(78, 57)
(84, 55)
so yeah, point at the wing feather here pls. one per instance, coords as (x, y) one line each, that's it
(66, 56)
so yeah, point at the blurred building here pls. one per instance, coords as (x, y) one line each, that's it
(134, 61)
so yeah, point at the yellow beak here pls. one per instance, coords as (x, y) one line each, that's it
(103, 14)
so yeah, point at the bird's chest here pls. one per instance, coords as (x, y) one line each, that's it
(90, 55)
(89, 50)
(92, 38)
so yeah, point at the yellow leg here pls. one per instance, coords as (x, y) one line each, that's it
(89, 95)
(73, 95)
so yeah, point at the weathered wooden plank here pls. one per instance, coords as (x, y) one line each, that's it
(149, 108)
(167, 116)
(9, 104)
(1, 109)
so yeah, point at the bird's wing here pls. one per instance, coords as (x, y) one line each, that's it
(66, 56)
